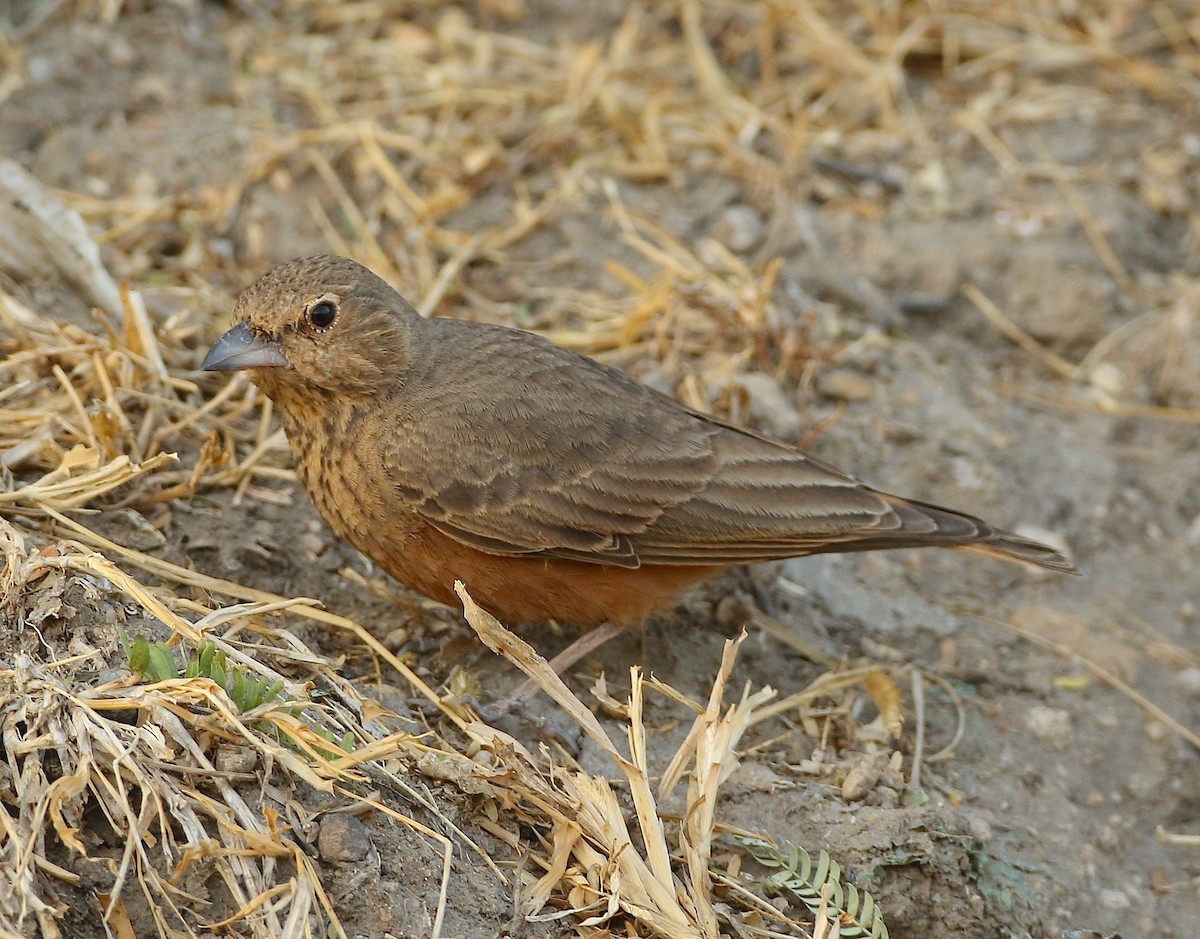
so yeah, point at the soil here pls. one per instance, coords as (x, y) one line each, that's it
(1044, 817)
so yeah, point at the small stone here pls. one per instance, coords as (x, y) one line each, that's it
(131, 529)
(1050, 724)
(1106, 377)
(769, 406)
(756, 777)
(1147, 782)
(862, 776)
(1115, 900)
(731, 612)
(40, 69)
(739, 228)
(396, 638)
(236, 759)
(883, 796)
(1188, 681)
(845, 385)
(343, 838)
(312, 542)
(120, 51)
(966, 473)
(980, 829)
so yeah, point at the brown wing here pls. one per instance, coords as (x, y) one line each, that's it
(553, 454)
(763, 504)
(519, 447)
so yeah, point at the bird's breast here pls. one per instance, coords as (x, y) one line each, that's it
(339, 463)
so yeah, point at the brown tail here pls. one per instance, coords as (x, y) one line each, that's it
(924, 525)
(1012, 547)
(959, 530)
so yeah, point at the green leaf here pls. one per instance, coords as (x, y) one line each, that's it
(162, 662)
(851, 911)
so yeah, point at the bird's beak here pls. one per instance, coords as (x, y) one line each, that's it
(239, 349)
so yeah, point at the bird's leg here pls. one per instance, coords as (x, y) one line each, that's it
(589, 642)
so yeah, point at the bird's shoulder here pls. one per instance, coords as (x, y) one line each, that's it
(512, 386)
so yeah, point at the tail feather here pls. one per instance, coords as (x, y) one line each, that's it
(1010, 547)
(922, 524)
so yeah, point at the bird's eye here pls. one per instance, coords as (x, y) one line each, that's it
(322, 314)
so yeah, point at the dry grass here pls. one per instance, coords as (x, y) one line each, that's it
(87, 415)
(400, 125)
(404, 133)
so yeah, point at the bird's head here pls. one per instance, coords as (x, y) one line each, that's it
(313, 325)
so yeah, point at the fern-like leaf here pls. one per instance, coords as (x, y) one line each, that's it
(851, 910)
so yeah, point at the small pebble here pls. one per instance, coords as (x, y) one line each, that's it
(863, 776)
(884, 797)
(1108, 839)
(396, 638)
(40, 68)
(966, 473)
(236, 759)
(1115, 900)
(343, 838)
(133, 531)
(739, 228)
(731, 612)
(844, 384)
(1050, 724)
(1106, 377)
(981, 829)
(769, 406)
(312, 542)
(1149, 782)
(1188, 681)
(756, 777)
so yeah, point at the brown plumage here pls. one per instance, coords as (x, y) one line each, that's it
(553, 486)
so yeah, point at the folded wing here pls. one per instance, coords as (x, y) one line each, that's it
(579, 462)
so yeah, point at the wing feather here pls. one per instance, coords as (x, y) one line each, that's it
(577, 461)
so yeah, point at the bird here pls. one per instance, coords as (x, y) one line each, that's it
(554, 487)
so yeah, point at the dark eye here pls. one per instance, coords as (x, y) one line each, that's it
(322, 314)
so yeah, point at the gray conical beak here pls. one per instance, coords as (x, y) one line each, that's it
(239, 349)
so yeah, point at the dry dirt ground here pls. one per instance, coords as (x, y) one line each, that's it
(821, 218)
